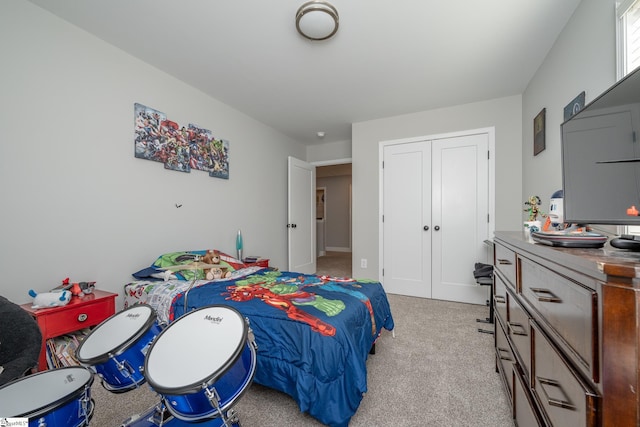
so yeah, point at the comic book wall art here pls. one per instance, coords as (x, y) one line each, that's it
(178, 148)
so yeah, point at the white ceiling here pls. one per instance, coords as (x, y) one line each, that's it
(388, 57)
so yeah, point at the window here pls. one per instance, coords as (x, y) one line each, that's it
(628, 35)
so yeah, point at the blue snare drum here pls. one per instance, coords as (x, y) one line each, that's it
(117, 348)
(202, 363)
(55, 398)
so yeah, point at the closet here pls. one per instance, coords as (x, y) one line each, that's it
(435, 215)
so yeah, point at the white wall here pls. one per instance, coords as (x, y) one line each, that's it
(75, 201)
(337, 220)
(582, 59)
(328, 152)
(504, 114)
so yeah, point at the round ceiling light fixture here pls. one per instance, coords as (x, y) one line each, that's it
(317, 20)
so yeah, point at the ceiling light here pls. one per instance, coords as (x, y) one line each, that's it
(320, 134)
(317, 20)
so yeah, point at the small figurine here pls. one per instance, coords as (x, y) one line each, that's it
(533, 209)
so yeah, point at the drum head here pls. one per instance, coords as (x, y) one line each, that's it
(39, 393)
(197, 348)
(116, 334)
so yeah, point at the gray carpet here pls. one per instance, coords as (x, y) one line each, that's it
(437, 371)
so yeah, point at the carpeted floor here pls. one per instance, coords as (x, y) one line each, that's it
(436, 371)
(337, 264)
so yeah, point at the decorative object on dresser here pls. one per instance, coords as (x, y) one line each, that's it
(567, 334)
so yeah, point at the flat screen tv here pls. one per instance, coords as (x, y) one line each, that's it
(601, 158)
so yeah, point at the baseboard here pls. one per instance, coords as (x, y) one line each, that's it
(337, 249)
(322, 253)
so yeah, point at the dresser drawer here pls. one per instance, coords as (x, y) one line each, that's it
(564, 397)
(500, 298)
(519, 332)
(525, 412)
(75, 318)
(505, 262)
(569, 308)
(504, 356)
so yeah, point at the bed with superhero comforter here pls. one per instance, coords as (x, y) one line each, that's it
(313, 333)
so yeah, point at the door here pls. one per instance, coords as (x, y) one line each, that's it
(435, 216)
(301, 211)
(407, 219)
(459, 207)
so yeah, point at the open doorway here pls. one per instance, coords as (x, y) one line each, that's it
(333, 222)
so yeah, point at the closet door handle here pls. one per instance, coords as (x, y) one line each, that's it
(437, 227)
(504, 261)
(425, 228)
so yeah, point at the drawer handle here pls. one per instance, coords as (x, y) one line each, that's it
(555, 402)
(499, 299)
(504, 261)
(82, 317)
(507, 357)
(512, 327)
(545, 295)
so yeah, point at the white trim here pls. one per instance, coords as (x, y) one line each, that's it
(489, 131)
(337, 249)
(332, 162)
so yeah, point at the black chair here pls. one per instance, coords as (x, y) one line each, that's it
(20, 342)
(483, 274)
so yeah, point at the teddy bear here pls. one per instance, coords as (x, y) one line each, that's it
(211, 257)
(49, 299)
(217, 273)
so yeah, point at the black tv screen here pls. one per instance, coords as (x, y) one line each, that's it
(601, 158)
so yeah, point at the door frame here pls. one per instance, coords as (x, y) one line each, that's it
(491, 133)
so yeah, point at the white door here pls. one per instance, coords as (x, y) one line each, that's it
(301, 212)
(459, 206)
(435, 217)
(407, 219)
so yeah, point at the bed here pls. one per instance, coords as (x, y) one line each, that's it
(313, 333)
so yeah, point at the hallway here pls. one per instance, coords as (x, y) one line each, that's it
(336, 264)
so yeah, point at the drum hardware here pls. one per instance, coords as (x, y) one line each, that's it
(214, 398)
(158, 416)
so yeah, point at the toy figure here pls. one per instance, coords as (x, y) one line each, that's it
(533, 209)
(49, 299)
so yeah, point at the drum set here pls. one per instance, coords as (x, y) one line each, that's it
(200, 365)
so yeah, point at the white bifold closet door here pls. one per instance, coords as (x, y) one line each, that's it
(435, 217)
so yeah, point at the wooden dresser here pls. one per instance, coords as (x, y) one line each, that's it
(567, 333)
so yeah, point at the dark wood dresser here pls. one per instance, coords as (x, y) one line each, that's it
(567, 333)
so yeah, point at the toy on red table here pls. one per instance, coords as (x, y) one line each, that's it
(49, 299)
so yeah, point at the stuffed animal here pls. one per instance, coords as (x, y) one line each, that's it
(217, 273)
(211, 257)
(49, 299)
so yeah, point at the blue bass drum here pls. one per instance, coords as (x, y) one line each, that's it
(202, 363)
(116, 349)
(55, 398)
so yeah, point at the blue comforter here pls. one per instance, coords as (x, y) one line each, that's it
(313, 334)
